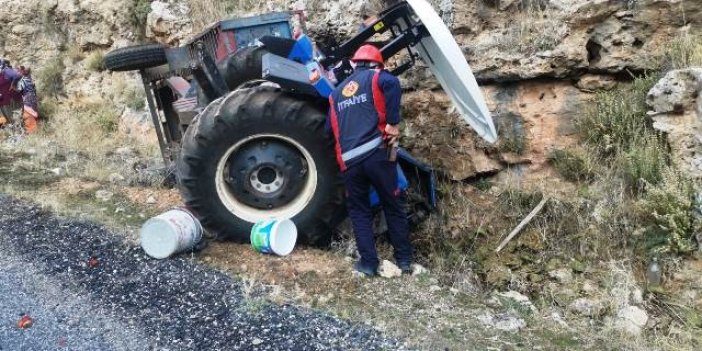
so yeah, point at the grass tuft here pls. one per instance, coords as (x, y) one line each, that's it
(95, 61)
(138, 10)
(684, 51)
(50, 78)
(573, 166)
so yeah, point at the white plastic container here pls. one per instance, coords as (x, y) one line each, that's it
(274, 236)
(169, 233)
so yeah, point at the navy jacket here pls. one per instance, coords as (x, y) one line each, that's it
(360, 107)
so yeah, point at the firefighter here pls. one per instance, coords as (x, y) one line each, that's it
(364, 115)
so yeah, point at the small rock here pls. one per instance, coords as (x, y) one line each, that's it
(558, 318)
(256, 341)
(104, 195)
(388, 269)
(588, 286)
(586, 307)
(116, 178)
(517, 298)
(592, 82)
(418, 269)
(636, 296)
(562, 275)
(56, 171)
(502, 321)
(126, 152)
(434, 288)
(631, 319)
(454, 291)
(151, 200)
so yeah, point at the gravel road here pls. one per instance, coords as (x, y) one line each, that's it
(132, 302)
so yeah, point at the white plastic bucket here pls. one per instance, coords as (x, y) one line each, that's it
(169, 233)
(274, 236)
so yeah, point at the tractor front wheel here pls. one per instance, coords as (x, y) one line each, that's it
(260, 153)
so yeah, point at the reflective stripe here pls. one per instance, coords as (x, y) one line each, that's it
(360, 150)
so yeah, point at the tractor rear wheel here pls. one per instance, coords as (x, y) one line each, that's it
(136, 57)
(259, 153)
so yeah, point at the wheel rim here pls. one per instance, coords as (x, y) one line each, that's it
(264, 176)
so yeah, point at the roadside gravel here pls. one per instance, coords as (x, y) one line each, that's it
(132, 302)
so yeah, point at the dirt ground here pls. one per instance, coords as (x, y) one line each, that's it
(452, 306)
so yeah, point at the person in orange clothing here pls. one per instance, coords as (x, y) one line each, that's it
(30, 108)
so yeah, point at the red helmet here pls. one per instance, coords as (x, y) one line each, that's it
(368, 53)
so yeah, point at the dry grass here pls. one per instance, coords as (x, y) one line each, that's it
(204, 13)
(684, 51)
(534, 29)
(95, 61)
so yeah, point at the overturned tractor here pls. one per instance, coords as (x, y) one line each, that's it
(240, 111)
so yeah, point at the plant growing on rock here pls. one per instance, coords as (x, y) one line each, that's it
(667, 209)
(50, 78)
(95, 61)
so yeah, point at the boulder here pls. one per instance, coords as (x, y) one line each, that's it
(587, 307)
(676, 109)
(388, 269)
(631, 319)
(168, 23)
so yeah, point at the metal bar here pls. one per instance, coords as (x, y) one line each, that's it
(162, 143)
(383, 24)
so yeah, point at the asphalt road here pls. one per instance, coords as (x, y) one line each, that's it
(131, 302)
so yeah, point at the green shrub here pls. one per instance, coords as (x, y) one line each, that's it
(50, 78)
(47, 107)
(667, 213)
(617, 118)
(138, 10)
(643, 162)
(95, 61)
(135, 99)
(107, 119)
(573, 166)
(74, 53)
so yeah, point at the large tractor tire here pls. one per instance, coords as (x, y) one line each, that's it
(242, 67)
(259, 153)
(136, 57)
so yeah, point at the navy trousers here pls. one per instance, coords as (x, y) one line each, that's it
(377, 171)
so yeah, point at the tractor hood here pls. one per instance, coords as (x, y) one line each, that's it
(444, 57)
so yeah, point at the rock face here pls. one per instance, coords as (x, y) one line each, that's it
(539, 61)
(677, 110)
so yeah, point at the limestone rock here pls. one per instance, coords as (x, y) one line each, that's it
(594, 82)
(168, 23)
(562, 275)
(418, 269)
(586, 307)
(502, 321)
(677, 111)
(631, 319)
(677, 92)
(636, 296)
(116, 178)
(514, 297)
(104, 195)
(388, 269)
(151, 200)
